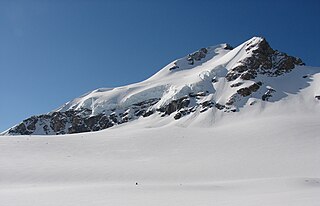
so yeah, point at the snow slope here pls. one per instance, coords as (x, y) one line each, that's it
(270, 160)
(214, 80)
(171, 84)
(267, 154)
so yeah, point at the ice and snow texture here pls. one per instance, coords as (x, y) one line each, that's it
(207, 76)
(267, 154)
(169, 84)
(273, 159)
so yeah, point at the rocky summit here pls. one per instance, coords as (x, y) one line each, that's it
(220, 79)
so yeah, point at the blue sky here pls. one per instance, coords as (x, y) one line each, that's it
(54, 51)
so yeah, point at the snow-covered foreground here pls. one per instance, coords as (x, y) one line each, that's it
(271, 159)
(295, 191)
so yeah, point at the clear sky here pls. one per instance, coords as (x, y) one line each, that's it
(54, 51)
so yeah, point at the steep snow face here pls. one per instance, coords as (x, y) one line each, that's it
(219, 123)
(193, 73)
(175, 80)
(215, 80)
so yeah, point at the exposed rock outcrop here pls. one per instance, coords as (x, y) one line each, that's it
(246, 91)
(175, 105)
(264, 60)
(175, 101)
(268, 94)
(77, 121)
(197, 56)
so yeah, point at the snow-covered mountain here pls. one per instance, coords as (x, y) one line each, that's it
(217, 81)
(222, 126)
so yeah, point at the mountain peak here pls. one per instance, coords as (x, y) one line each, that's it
(220, 79)
(258, 43)
(255, 40)
(260, 58)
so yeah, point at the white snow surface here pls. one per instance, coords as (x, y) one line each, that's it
(268, 154)
(273, 159)
(169, 84)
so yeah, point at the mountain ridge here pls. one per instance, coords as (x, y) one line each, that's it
(219, 78)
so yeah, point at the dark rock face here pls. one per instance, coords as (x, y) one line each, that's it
(228, 47)
(174, 67)
(177, 116)
(31, 123)
(199, 94)
(243, 92)
(246, 91)
(264, 60)
(197, 56)
(77, 121)
(21, 129)
(266, 96)
(220, 106)
(236, 84)
(175, 105)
